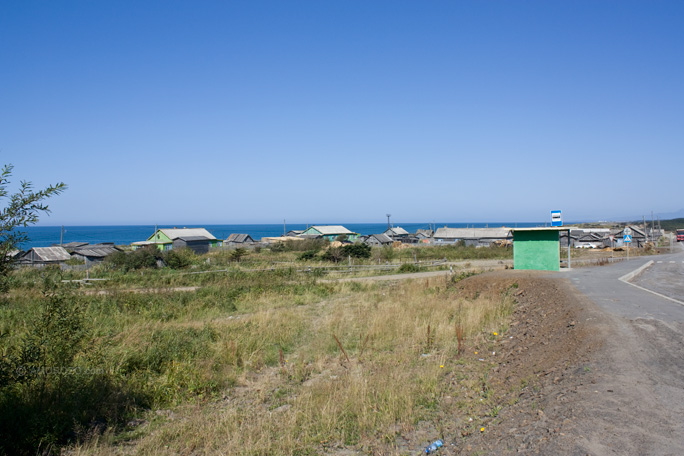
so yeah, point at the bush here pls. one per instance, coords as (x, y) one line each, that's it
(145, 257)
(308, 255)
(52, 385)
(408, 267)
(237, 254)
(388, 253)
(333, 254)
(179, 258)
(357, 250)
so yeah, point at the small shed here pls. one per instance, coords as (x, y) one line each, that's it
(537, 248)
(198, 244)
(378, 240)
(95, 253)
(239, 239)
(477, 237)
(42, 256)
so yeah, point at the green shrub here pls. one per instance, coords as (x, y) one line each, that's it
(53, 384)
(179, 258)
(408, 267)
(388, 253)
(333, 254)
(145, 257)
(237, 254)
(308, 255)
(358, 250)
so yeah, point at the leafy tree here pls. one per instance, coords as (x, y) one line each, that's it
(52, 383)
(357, 250)
(19, 210)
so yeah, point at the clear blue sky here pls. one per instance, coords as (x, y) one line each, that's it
(342, 111)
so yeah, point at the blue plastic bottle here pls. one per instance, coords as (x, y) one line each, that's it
(434, 447)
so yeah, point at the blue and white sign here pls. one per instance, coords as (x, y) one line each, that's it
(628, 238)
(556, 219)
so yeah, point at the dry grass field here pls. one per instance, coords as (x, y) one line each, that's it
(331, 368)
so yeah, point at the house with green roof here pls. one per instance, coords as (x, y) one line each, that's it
(329, 232)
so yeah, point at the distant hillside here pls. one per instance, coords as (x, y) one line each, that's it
(667, 225)
(673, 224)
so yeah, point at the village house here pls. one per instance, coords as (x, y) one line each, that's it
(376, 240)
(94, 253)
(44, 256)
(478, 237)
(329, 232)
(638, 237)
(396, 233)
(198, 239)
(238, 240)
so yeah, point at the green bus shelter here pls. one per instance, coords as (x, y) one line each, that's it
(538, 248)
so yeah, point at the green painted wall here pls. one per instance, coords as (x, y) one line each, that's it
(159, 236)
(538, 250)
(351, 237)
(311, 231)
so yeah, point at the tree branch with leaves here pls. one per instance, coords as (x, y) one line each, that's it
(19, 210)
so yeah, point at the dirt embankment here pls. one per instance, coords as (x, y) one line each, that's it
(595, 383)
(546, 355)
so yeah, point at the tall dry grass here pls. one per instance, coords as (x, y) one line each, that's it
(353, 369)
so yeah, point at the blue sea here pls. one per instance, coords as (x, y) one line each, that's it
(45, 236)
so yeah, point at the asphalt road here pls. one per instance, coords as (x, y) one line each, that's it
(635, 401)
(666, 276)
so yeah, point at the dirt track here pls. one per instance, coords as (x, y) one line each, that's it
(599, 383)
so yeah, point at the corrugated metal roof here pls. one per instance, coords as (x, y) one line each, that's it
(239, 238)
(48, 254)
(175, 233)
(71, 245)
(472, 233)
(192, 238)
(97, 251)
(382, 238)
(396, 231)
(328, 230)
